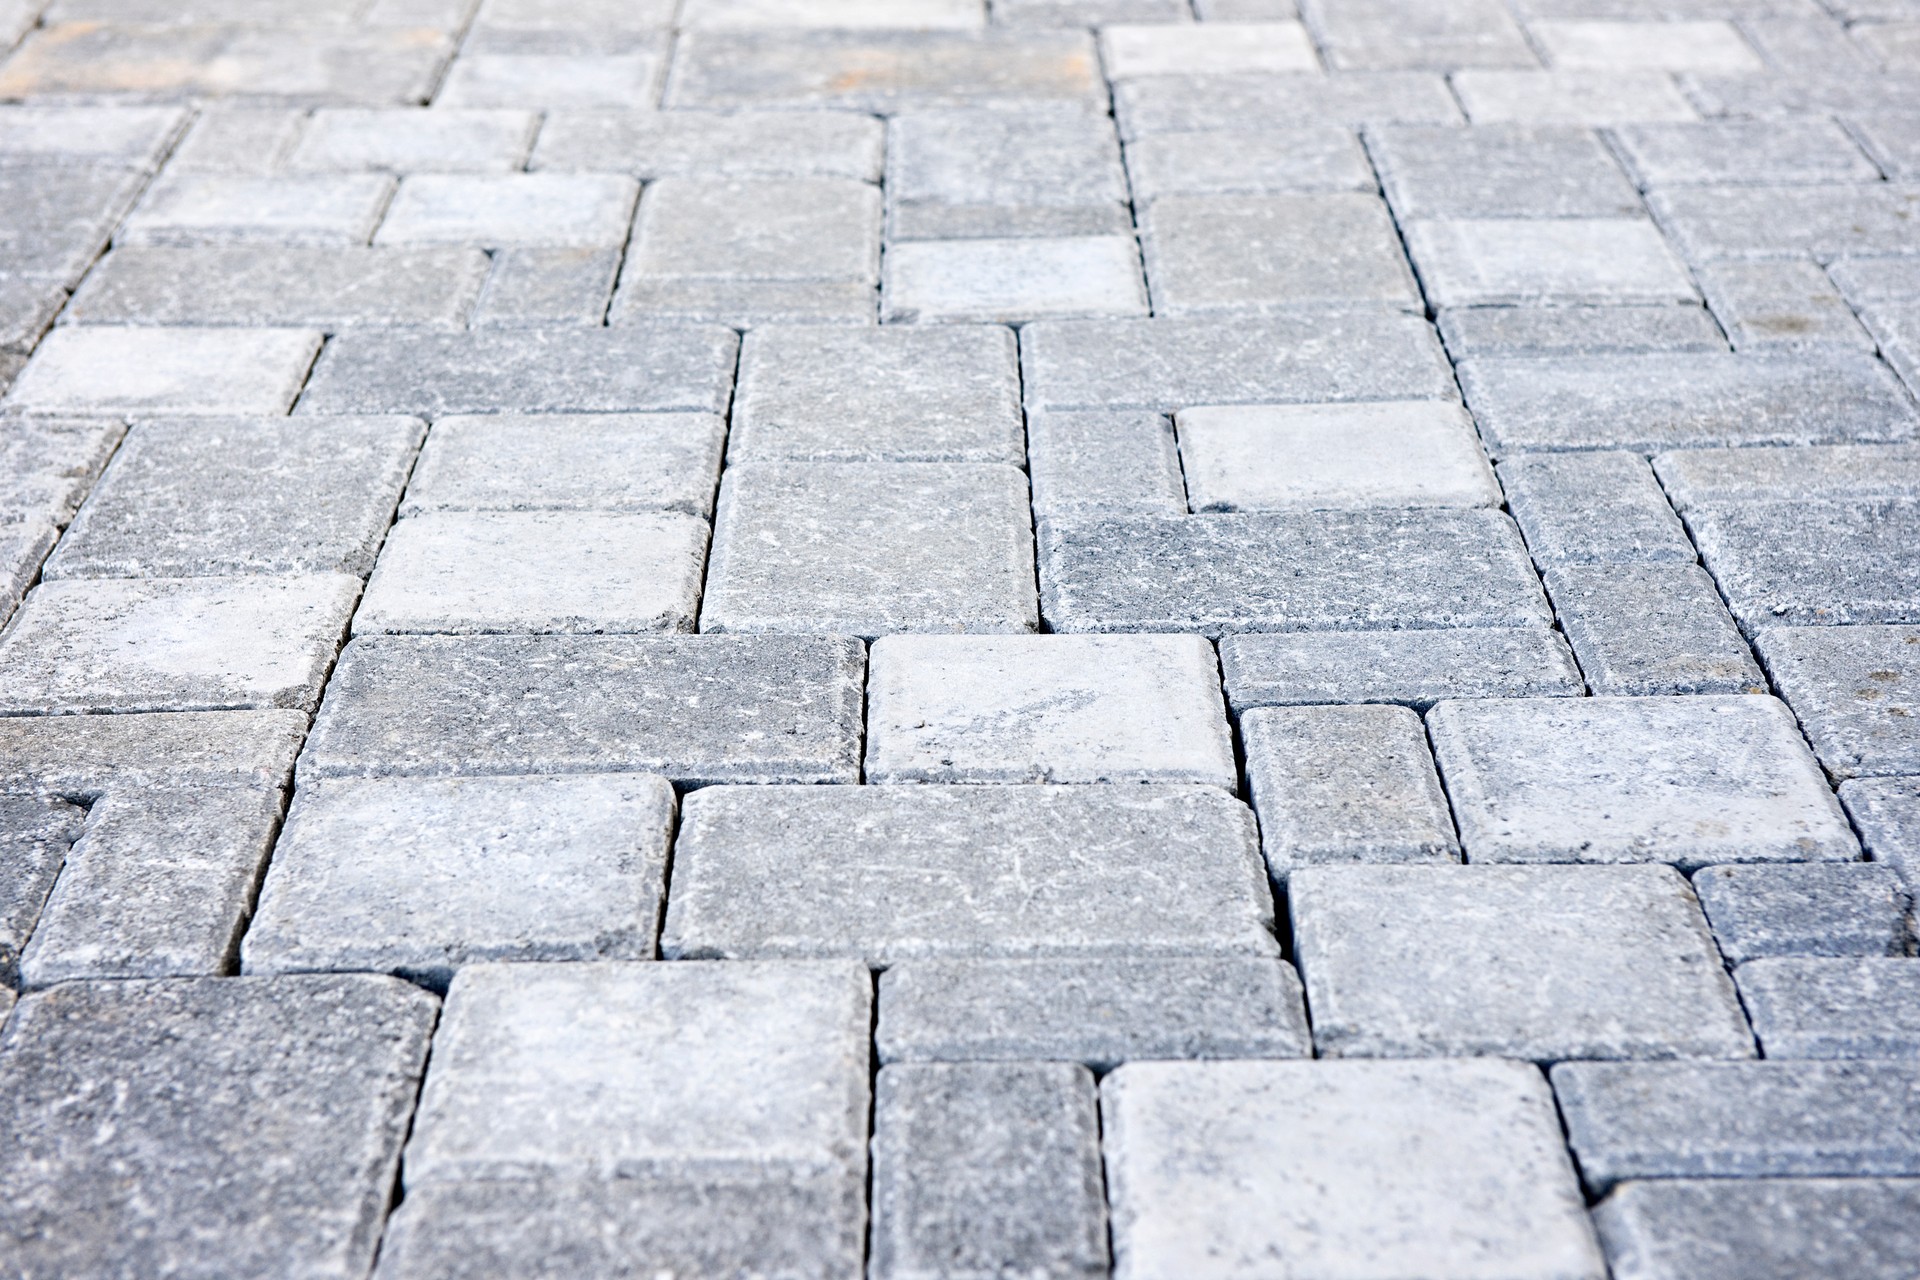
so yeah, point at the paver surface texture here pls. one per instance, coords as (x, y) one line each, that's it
(959, 639)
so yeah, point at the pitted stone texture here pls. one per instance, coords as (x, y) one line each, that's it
(664, 1074)
(1844, 909)
(1100, 1012)
(1007, 280)
(870, 548)
(1653, 402)
(1592, 508)
(1104, 463)
(757, 229)
(1542, 963)
(568, 462)
(1500, 171)
(174, 644)
(1047, 709)
(1546, 262)
(1449, 1170)
(264, 285)
(1260, 253)
(547, 210)
(1190, 103)
(749, 144)
(532, 288)
(348, 140)
(1815, 563)
(1781, 306)
(1650, 629)
(1740, 1119)
(244, 1125)
(165, 371)
(1572, 97)
(1128, 51)
(1225, 162)
(419, 876)
(1690, 781)
(1413, 668)
(878, 395)
(1415, 453)
(698, 709)
(1693, 477)
(1578, 331)
(891, 874)
(190, 209)
(955, 175)
(90, 755)
(47, 465)
(214, 497)
(24, 544)
(1834, 1008)
(1856, 691)
(1164, 365)
(637, 368)
(36, 833)
(987, 1169)
(1887, 812)
(1746, 152)
(230, 137)
(1345, 784)
(537, 571)
(1751, 1229)
(1826, 222)
(1270, 571)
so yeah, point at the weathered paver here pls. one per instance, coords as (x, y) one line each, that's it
(1780, 306)
(747, 144)
(353, 140)
(1592, 508)
(1651, 629)
(165, 371)
(1414, 668)
(1834, 1008)
(1855, 689)
(1248, 162)
(535, 288)
(1189, 103)
(1760, 1228)
(1500, 171)
(998, 281)
(1257, 253)
(1489, 262)
(340, 209)
(490, 211)
(1828, 909)
(1113, 463)
(1844, 563)
(998, 174)
(1741, 151)
(1827, 221)
(1578, 331)
(1695, 476)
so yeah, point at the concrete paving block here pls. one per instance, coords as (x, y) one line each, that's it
(1820, 563)
(757, 229)
(1248, 162)
(1382, 35)
(1853, 1007)
(235, 209)
(1546, 262)
(1169, 364)
(1583, 962)
(571, 370)
(1693, 477)
(744, 1073)
(55, 221)
(1255, 253)
(997, 281)
(1887, 813)
(1442, 1169)
(1578, 331)
(1412, 668)
(992, 174)
(35, 134)
(173, 644)
(1746, 152)
(747, 144)
(239, 1124)
(24, 544)
(1691, 781)
(91, 754)
(1592, 508)
(1841, 909)
(1047, 709)
(1500, 171)
(1086, 13)
(569, 462)
(820, 394)
(536, 288)
(1279, 571)
(1740, 1119)
(1856, 691)
(1100, 1012)
(871, 548)
(888, 874)
(420, 876)
(842, 15)
(1128, 51)
(546, 15)
(564, 80)
(884, 73)
(1191, 103)
(1780, 306)
(536, 571)
(1110, 463)
(239, 138)
(984, 1168)
(49, 464)
(1653, 402)
(1572, 97)
(261, 285)
(1649, 629)
(196, 498)
(359, 140)
(109, 371)
(764, 708)
(1897, 331)
(1888, 138)
(1760, 1229)
(1709, 223)
(1344, 784)
(28, 305)
(492, 210)
(1712, 45)
(743, 304)
(1405, 454)
(36, 833)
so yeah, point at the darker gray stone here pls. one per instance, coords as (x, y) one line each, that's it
(1826, 563)
(1718, 476)
(1414, 668)
(698, 709)
(1761, 1229)
(1578, 331)
(1110, 463)
(1856, 1007)
(230, 1126)
(1592, 508)
(1780, 306)
(55, 222)
(35, 834)
(1100, 1012)
(1646, 629)
(955, 175)
(1271, 572)
(1855, 689)
(532, 288)
(1835, 909)
(987, 1169)
(1501, 171)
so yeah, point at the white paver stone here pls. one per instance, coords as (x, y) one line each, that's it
(165, 371)
(1001, 281)
(351, 140)
(551, 210)
(227, 209)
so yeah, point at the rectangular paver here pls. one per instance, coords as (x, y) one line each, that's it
(1855, 690)
(165, 371)
(1413, 668)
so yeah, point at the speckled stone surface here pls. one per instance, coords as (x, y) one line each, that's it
(1815, 909)
(1844, 563)
(1414, 668)
(1855, 1007)
(569, 462)
(1856, 691)
(1760, 1229)
(1887, 812)
(1651, 629)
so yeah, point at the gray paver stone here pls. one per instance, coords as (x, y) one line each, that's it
(1576, 96)
(351, 140)
(1829, 909)
(1820, 563)
(1248, 162)
(1856, 691)
(619, 76)
(748, 144)
(1007, 280)
(1887, 812)
(1856, 1007)
(1578, 331)
(86, 755)
(1360, 34)
(757, 229)
(1780, 306)
(991, 173)
(551, 210)
(1714, 222)
(35, 834)
(1696, 476)
(60, 134)
(1256, 253)
(560, 462)
(1546, 262)
(1592, 508)
(1761, 1229)
(1150, 49)
(1414, 668)
(1741, 151)
(533, 288)
(1650, 629)
(165, 371)
(192, 208)
(1250, 100)
(1500, 171)
(1108, 463)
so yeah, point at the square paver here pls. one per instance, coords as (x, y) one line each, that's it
(1546, 262)
(1689, 781)
(1542, 963)
(1253, 253)
(537, 571)
(1650, 629)
(995, 174)
(1416, 453)
(551, 210)
(569, 462)
(165, 371)
(1047, 709)
(870, 548)
(420, 876)
(1856, 691)
(1118, 463)
(1448, 1170)
(1003, 281)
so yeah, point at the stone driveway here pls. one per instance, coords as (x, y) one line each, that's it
(959, 639)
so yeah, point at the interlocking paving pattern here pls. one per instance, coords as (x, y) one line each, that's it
(959, 639)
